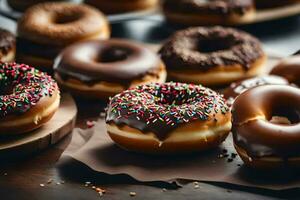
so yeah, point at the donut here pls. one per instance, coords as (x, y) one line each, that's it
(28, 98)
(265, 126)
(168, 118)
(100, 69)
(289, 68)
(7, 46)
(21, 5)
(121, 6)
(212, 56)
(262, 4)
(237, 88)
(46, 28)
(215, 12)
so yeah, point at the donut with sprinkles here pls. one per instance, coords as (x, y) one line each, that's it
(168, 118)
(28, 98)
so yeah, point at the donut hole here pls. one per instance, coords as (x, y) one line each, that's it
(6, 90)
(285, 115)
(66, 18)
(114, 54)
(214, 44)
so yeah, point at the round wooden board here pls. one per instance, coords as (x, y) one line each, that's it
(59, 126)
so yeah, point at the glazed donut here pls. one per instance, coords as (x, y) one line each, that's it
(21, 5)
(215, 12)
(7, 46)
(28, 98)
(262, 4)
(212, 56)
(46, 28)
(266, 128)
(168, 118)
(289, 68)
(237, 88)
(100, 69)
(121, 6)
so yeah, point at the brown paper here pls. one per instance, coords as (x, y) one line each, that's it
(94, 148)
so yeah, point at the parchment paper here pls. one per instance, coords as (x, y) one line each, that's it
(94, 148)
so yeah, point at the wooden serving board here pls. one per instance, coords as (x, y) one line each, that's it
(59, 126)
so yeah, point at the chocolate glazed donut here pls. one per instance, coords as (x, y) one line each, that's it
(168, 118)
(212, 56)
(103, 68)
(266, 128)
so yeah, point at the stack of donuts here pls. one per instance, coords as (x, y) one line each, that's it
(144, 112)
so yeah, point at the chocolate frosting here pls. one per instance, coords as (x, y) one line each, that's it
(252, 129)
(160, 108)
(203, 48)
(7, 41)
(209, 6)
(239, 87)
(289, 68)
(113, 60)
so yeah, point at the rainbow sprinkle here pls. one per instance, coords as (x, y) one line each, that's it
(161, 107)
(21, 87)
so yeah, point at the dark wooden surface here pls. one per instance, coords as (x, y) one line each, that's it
(22, 178)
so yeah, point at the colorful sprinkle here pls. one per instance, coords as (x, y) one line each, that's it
(21, 87)
(161, 107)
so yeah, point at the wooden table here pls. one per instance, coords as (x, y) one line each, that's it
(27, 178)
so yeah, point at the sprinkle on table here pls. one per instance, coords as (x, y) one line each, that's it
(90, 124)
(132, 194)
